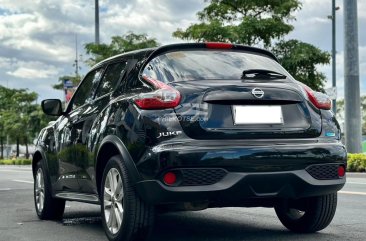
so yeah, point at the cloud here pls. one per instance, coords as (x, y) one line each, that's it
(156, 18)
(4, 62)
(37, 40)
(33, 70)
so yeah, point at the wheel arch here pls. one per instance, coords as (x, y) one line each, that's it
(40, 156)
(110, 146)
(37, 157)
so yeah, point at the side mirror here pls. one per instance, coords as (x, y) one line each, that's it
(52, 107)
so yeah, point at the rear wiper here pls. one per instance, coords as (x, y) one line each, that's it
(262, 74)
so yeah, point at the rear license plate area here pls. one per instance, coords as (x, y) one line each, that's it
(257, 114)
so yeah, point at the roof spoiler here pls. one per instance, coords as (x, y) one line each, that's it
(210, 45)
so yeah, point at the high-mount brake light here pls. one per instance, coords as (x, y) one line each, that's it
(214, 45)
(163, 97)
(320, 100)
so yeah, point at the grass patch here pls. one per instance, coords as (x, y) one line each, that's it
(16, 162)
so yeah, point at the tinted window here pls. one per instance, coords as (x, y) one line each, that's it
(83, 93)
(110, 78)
(206, 65)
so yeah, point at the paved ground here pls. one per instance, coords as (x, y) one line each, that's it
(18, 220)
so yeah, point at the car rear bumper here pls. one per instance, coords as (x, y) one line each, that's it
(239, 186)
(263, 169)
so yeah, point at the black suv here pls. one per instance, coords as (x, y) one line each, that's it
(189, 127)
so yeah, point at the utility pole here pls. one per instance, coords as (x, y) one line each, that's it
(334, 55)
(351, 78)
(97, 41)
(334, 80)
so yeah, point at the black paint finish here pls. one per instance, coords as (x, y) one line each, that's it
(198, 133)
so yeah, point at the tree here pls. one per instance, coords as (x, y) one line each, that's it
(265, 23)
(301, 60)
(99, 52)
(118, 45)
(20, 117)
(247, 22)
(17, 121)
(5, 104)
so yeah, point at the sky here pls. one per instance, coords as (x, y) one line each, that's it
(37, 37)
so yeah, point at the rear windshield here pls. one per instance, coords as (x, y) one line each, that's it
(207, 65)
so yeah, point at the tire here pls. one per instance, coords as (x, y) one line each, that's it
(136, 221)
(47, 207)
(307, 215)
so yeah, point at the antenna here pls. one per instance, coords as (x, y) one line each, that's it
(76, 56)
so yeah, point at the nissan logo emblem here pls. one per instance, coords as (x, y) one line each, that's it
(258, 93)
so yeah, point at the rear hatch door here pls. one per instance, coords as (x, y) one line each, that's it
(245, 110)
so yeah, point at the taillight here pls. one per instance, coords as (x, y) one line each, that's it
(164, 97)
(170, 178)
(341, 171)
(214, 45)
(320, 100)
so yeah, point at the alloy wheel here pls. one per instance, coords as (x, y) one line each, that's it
(39, 190)
(113, 200)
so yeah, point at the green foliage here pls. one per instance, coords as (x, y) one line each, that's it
(20, 117)
(16, 162)
(356, 162)
(16, 114)
(301, 60)
(242, 21)
(252, 22)
(118, 45)
(214, 31)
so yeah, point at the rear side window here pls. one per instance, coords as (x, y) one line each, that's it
(207, 65)
(84, 91)
(110, 78)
